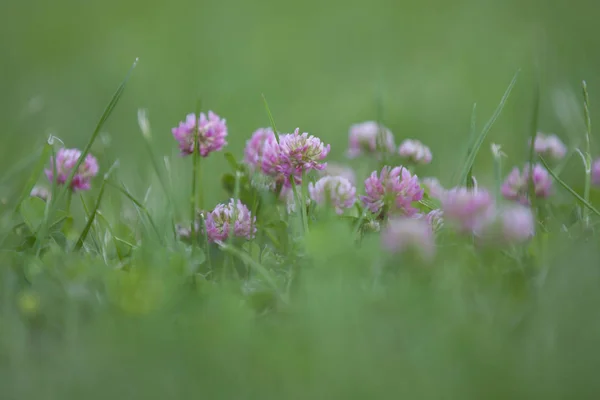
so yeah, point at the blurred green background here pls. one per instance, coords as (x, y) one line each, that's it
(323, 65)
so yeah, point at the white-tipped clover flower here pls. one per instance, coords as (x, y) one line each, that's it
(207, 133)
(516, 185)
(549, 146)
(467, 210)
(334, 190)
(219, 220)
(370, 138)
(415, 152)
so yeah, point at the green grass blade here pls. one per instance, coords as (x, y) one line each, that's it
(139, 206)
(91, 219)
(479, 139)
(570, 190)
(92, 215)
(105, 115)
(533, 134)
(43, 230)
(588, 155)
(472, 136)
(126, 193)
(271, 120)
(88, 215)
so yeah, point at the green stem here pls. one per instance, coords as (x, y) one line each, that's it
(497, 175)
(69, 198)
(206, 244)
(298, 198)
(193, 206)
(588, 157)
(138, 205)
(583, 201)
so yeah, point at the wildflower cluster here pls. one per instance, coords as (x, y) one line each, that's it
(406, 211)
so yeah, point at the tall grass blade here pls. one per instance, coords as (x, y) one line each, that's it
(138, 205)
(588, 154)
(91, 218)
(271, 120)
(105, 115)
(569, 189)
(533, 134)
(472, 136)
(43, 231)
(479, 139)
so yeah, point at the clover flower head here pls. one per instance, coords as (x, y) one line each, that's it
(516, 185)
(467, 210)
(65, 162)
(207, 132)
(219, 221)
(253, 153)
(334, 190)
(518, 223)
(415, 152)
(550, 146)
(392, 190)
(370, 138)
(294, 155)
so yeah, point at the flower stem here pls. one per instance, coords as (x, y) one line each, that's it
(298, 198)
(69, 198)
(588, 158)
(206, 244)
(193, 199)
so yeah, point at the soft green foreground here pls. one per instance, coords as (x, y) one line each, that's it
(476, 325)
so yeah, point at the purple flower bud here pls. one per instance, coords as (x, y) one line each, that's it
(209, 133)
(403, 234)
(65, 162)
(394, 190)
(596, 172)
(334, 190)
(510, 224)
(415, 152)
(370, 138)
(219, 220)
(253, 153)
(518, 224)
(549, 146)
(40, 192)
(516, 185)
